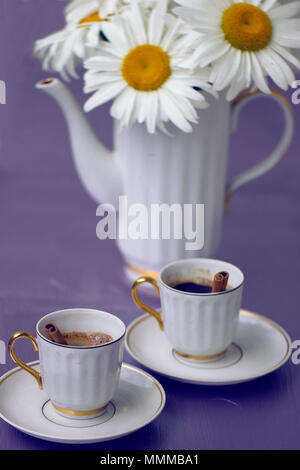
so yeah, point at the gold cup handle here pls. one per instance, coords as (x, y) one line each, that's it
(13, 339)
(141, 304)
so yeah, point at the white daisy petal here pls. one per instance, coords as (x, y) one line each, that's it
(130, 113)
(173, 112)
(286, 54)
(136, 22)
(258, 75)
(226, 68)
(119, 106)
(210, 50)
(142, 107)
(105, 63)
(276, 68)
(179, 87)
(152, 111)
(242, 79)
(285, 11)
(171, 34)
(157, 22)
(268, 4)
(287, 33)
(94, 81)
(116, 36)
(106, 93)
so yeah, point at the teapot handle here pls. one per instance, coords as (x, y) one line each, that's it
(278, 153)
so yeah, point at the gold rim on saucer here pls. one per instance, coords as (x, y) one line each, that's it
(63, 433)
(190, 378)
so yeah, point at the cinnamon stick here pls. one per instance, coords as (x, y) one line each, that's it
(53, 333)
(220, 282)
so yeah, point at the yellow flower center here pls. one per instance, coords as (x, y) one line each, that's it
(247, 27)
(90, 19)
(146, 67)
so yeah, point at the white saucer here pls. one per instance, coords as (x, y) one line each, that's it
(139, 400)
(260, 347)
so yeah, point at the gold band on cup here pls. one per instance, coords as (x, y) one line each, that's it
(199, 358)
(79, 413)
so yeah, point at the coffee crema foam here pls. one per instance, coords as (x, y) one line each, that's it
(79, 338)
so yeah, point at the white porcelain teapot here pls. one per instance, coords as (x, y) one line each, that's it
(182, 169)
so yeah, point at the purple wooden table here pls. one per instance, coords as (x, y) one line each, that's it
(50, 257)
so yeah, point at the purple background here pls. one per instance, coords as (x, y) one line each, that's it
(50, 257)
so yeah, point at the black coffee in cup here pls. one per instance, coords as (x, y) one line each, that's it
(193, 287)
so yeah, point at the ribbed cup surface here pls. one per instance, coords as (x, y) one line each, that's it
(80, 379)
(200, 325)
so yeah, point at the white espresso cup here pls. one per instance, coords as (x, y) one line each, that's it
(79, 380)
(199, 326)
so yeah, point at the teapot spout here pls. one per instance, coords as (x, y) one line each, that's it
(96, 166)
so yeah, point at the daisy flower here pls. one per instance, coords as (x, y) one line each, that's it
(139, 67)
(65, 49)
(244, 41)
